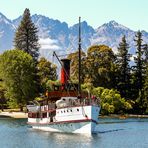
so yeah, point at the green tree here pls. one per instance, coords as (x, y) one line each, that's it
(145, 93)
(145, 86)
(100, 66)
(74, 66)
(17, 72)
(111, 101)
(26, 36)
(139, 71)
(139, 60)
(2, 97)
(88, 88)
(46, 71)
(50, 84)
(123, 68)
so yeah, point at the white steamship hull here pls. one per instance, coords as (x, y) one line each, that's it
(79, 127)
(82, 119)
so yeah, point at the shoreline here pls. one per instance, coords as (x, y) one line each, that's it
(25, 115)
(124, 116)
(18, 115)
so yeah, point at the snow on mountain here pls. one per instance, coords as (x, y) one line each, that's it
(111, 34)
(56, 35)
(52, 31)
(86, 34)
(7, 30)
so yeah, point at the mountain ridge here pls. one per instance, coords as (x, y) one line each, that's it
(57, 35)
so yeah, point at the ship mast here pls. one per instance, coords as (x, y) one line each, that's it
(79, 49)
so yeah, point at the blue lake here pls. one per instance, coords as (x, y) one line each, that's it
(112, 133)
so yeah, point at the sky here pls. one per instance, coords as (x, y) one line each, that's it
(130, 13)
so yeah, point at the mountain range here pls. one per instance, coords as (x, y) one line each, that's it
(58, 36)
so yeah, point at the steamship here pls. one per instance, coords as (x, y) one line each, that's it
(67, 108)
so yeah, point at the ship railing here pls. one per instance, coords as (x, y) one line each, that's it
(51, 106)
(71, 103)
(80, 102)
(89, 101)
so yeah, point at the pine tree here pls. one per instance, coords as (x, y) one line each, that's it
(145, 56)
(139, 61)
(145, 93)
(145, 86)
(123, 59)
(26, 36)
(138, 73)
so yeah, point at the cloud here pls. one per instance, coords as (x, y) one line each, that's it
(46, 41)
(48, 44)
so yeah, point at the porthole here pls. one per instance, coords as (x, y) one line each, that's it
(77, 109)
(71, 110)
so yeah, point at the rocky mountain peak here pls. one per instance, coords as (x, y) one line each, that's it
(4, 20)
(113, 25)
(60, 36)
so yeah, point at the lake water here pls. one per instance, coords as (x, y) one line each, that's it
(112, 133)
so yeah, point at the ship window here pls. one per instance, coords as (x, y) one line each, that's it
(67, 111)
(44, 115)
(77, 109)
(64, 111)
(61, 112)
(38, 115)
(33, 115)
(71, 110)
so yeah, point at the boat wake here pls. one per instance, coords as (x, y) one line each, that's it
(108, 131)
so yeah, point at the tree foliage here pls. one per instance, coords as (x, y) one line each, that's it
(123, 58)
(50, 84)
(74, 66)
(145, 93)
(17, 72)
(46, 71)
(111, 101)
(100, 65)
(138, 73)
(26, 38)
(139, 61)
(145, 86)
(2, 96)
